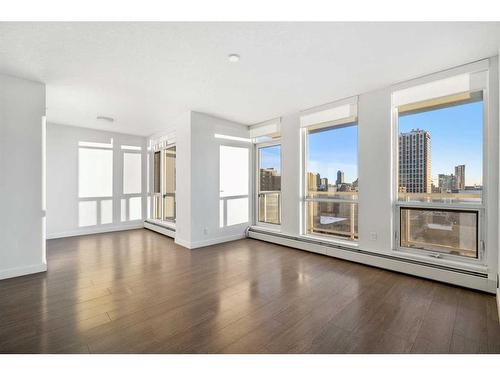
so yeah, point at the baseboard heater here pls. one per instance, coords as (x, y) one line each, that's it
(159, 228)
(448, 274)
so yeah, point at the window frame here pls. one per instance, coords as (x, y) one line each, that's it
(480, 208)
(125, 217)
(163, 193)
(304, 200)
(237, 142)
(258, 146)
(161, 148)
(98, 199)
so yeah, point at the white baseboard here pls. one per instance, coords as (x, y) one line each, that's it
(21, 271)
(160, 229)
(183, 243)
(209, 242)
(447, 276)
(95, 230)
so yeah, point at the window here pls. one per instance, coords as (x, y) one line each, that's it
(157, 186)
(163, 198)
(95, 172)
(233, 185)
(131, 201)
(169, 184)
(132, 173)
(95, 183)
(331, 181)
(444, 231)
(269, 184)
(440, 168)
(441, 151)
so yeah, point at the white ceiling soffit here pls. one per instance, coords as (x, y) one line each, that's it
(144, 75)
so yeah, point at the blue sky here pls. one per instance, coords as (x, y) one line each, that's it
(333, 150)
(456, 138)
(270, 157)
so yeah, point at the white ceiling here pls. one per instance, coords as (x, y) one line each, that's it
(146, 74)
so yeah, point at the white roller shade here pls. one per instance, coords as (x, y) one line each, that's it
(458, 84)
(331, 114)
(268, 128)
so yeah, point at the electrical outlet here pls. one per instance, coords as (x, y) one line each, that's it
(205, 230)
(373, 236)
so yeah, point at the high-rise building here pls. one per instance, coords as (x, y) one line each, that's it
(415, 161)
(340, 178)
(269, 180)
(460, 177)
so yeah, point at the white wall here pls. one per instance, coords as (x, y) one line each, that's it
(205, 178)
(22, 245)
(62, 179)
(375, 170)
(290, 179)
(182, 129)
(197, 177)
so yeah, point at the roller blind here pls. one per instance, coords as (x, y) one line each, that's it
(440, 92)
(342, 112)
(269, 128)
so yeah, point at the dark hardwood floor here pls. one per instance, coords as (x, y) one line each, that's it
(138, 292)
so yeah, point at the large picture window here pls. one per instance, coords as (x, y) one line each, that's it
(331, 180)
(440, 172)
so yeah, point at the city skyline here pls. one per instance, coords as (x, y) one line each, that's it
(456, 137)
(334, 150)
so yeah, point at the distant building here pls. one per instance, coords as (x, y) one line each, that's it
(312, 181)
(340, 178)
(415, 161)
(270, 180)
(460, 177)
(446, 183)
(323, 184)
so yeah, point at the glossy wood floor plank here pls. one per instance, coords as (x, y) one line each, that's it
(138, 292)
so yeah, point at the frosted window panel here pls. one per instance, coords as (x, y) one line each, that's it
(233, 177)
(106, 211)
(87, 213)
(95, 173)
(132, 173)
(123, 209)
(135, 208)
(237, 211)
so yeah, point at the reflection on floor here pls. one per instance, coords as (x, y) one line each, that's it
(138, 292)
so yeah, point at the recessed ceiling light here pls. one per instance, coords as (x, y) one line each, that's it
(233, 58)
(105, 118)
